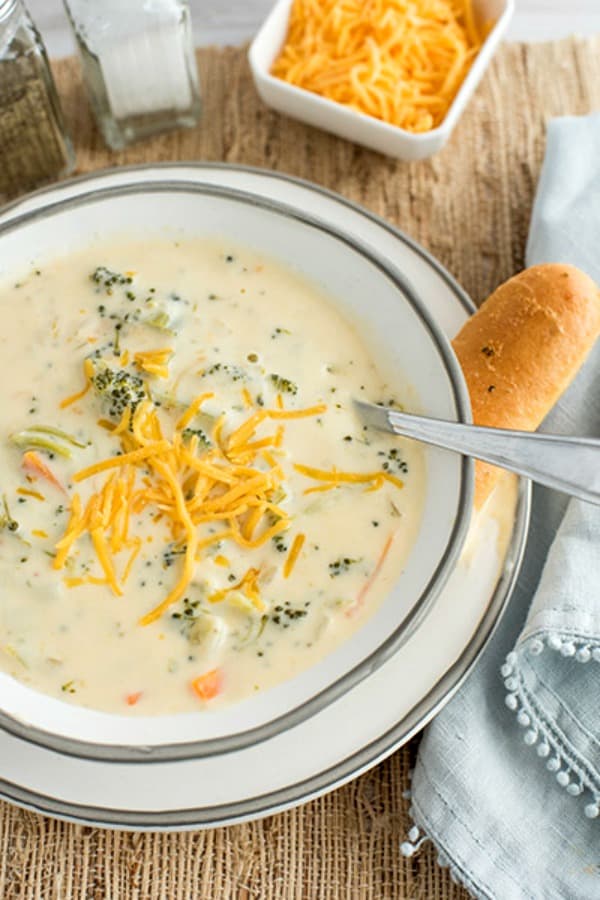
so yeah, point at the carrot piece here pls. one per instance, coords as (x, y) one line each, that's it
(132, 699)
(208, 685)
(33, 464)
(371, 579)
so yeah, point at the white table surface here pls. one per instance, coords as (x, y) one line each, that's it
(233, 21)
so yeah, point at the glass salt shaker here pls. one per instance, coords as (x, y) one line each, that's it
(138, 64)
(34, 145)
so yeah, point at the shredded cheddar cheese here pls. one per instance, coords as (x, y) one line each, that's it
(193, 408)
(401, 61)
(88, 372)
(26, 492)
(154, 362)
(293, 555)
(134, 456)
(335, 478)
(235, 483)
(221, 560)
(248, 586)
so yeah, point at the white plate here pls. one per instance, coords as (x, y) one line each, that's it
(370, 720)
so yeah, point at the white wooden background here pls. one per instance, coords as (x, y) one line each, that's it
(233, 21)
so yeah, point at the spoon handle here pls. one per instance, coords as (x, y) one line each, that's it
(569, 464)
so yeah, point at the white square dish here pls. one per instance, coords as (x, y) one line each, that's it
(355, 126)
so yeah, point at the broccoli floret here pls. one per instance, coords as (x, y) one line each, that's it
(107, 279)
(284, 384)
(341, 565)
(144, 305)
(203, 439)
(234, 372)
(119, 388)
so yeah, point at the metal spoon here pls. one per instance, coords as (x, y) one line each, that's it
(569, 464)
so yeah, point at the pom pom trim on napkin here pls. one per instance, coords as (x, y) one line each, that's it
(561, 759)
(417, 836)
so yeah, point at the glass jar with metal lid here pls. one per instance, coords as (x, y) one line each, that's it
(34, 145)
(138, 65)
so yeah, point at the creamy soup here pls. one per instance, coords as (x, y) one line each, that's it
(192, 510)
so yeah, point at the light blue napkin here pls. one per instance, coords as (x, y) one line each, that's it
(507, 781)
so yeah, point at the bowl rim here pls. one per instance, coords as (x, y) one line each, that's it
(453, 113)
(118, 752)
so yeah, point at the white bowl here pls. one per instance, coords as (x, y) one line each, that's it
(358, 127)
(407, 344)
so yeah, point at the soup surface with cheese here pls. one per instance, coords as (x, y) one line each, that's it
(192, 510)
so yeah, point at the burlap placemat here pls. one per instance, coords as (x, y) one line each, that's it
(470, 206)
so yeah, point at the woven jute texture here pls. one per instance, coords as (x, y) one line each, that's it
(470, 206)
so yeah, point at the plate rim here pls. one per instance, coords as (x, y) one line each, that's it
(416, 718)
(201, 165)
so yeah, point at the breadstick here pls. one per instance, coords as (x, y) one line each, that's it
(522, 349)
